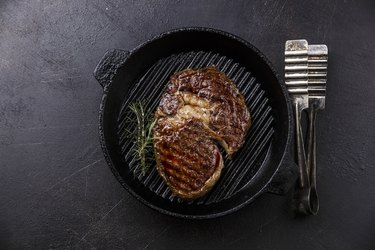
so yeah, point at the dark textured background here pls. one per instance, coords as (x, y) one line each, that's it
(55, 188)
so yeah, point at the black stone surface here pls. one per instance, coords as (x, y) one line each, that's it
(55, 188)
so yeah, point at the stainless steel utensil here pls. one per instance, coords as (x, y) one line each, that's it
(296, 80)
(317, 79)
(305, 78)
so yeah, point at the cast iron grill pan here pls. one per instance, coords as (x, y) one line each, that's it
(238, 172)
(263, 164)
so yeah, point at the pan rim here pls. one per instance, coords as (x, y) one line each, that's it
(193, 216)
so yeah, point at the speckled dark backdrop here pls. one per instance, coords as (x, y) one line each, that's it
(55, 188)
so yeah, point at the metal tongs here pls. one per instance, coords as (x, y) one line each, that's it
(305, 78)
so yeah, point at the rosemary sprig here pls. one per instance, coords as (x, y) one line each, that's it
(142, 135)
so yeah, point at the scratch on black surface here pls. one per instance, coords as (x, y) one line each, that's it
(32, 144)
(97, 223)
(110, 16)
(106, 214)
(89, 216)
(87, 170)
(260, 230)
(74, 173)
(60, 79)
(61, 127)
(279, 12)
(75, 237)
(156, 237)
(330, 21)
(36, 174)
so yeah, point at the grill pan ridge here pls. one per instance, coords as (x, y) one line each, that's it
(245, 163)
(263, 164)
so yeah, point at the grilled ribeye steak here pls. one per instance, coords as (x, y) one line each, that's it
(199, 109)
(187, 157)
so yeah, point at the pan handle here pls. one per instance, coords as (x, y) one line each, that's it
(108, 66)
(285, 177)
